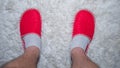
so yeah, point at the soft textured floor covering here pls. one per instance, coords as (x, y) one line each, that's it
(57, 18)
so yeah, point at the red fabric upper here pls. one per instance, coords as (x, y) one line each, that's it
(30, 22)
(84, 24)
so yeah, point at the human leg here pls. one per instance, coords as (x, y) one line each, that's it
(80, 60)
(27, 60)
(30, 30)
(83, 30)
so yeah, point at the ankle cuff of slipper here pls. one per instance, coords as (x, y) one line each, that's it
(32, 39)
(79, 41)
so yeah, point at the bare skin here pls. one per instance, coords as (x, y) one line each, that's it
(31, 55)
(28, 60)
(80, 60)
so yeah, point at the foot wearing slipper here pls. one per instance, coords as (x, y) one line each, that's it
(83, 30)
(30, 28)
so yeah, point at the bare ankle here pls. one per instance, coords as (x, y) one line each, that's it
(32, 51)
(27, 60)
(77, 51)
(80, 59)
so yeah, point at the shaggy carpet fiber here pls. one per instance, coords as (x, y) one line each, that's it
(57, 19)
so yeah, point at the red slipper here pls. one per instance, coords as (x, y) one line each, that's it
(30, 23)
(84, 24)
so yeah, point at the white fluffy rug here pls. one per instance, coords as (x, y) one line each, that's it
(57, 18)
